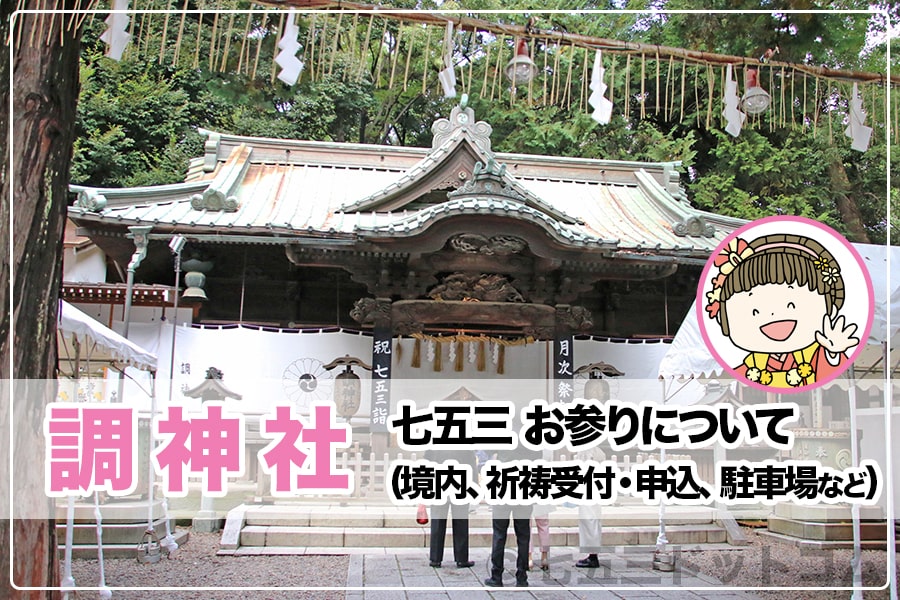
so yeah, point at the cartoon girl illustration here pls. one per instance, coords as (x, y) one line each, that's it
(777, 297)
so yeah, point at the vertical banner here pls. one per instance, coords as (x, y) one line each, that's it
(381, 378)
(563, 359)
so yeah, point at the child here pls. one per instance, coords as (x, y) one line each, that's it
(777, 297)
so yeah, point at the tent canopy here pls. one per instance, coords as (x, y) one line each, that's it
(98, 343)
(689, 357)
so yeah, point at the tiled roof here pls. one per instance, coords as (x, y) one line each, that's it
(294, 188)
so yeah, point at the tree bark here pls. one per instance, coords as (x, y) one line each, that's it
(44, 94)
(845, 204)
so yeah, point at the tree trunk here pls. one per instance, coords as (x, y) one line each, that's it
(845, 204)
(44, 95)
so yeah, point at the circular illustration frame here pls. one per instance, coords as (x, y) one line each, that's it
(856, 309)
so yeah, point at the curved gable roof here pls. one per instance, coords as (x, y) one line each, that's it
(461, 150)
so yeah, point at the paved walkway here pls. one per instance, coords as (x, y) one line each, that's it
(627, 573)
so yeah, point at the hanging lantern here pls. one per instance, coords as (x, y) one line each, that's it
(347, 392)
(596, 388)
(347, 387)
(520, 68)
(755, 100)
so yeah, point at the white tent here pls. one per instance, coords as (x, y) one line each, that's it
(81, 338)
(80, 335)
(688, 358)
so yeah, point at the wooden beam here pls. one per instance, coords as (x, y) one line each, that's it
(468, 23)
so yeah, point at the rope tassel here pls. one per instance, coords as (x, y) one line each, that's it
(417, 354)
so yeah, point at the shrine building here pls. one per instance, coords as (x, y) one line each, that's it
(490, 251)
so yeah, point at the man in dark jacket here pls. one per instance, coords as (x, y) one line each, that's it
(460, 514)
(521, 518)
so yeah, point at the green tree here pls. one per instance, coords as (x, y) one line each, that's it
(374, 80)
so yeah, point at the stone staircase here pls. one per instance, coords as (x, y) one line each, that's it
(291, 528)
(123, 525)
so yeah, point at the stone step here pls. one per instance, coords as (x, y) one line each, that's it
(111, 511)
(826, 531)
(410, 537)
(825, 544)
(405, 517)
(113, 533)
(89, 551)
(826, 512)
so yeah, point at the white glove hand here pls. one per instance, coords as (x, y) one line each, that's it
(836, 335)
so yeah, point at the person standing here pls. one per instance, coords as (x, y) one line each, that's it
(589, 515)
(541, 516)
(521, 518)
(460, 514)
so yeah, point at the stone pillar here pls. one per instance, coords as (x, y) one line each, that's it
(206, 521)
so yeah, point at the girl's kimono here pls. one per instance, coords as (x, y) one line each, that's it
(791, 369)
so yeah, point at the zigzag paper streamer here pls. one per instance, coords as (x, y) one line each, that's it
(602, 106)
(291, 66)
(856, 129)
(116, 35)
(447, 76)
(734, 118)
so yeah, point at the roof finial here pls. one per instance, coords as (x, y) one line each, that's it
(464, 101)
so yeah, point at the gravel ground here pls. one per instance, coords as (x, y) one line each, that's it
(196, 564)
(767, 562)
(763, 562)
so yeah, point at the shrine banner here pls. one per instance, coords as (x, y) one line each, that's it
(563, 358)
(381, 378)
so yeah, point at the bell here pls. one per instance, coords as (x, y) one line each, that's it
(520, 68)
(755, 100)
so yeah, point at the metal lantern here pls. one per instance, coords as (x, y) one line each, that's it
(194, 280)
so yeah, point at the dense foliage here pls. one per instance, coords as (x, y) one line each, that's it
(376, 82)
